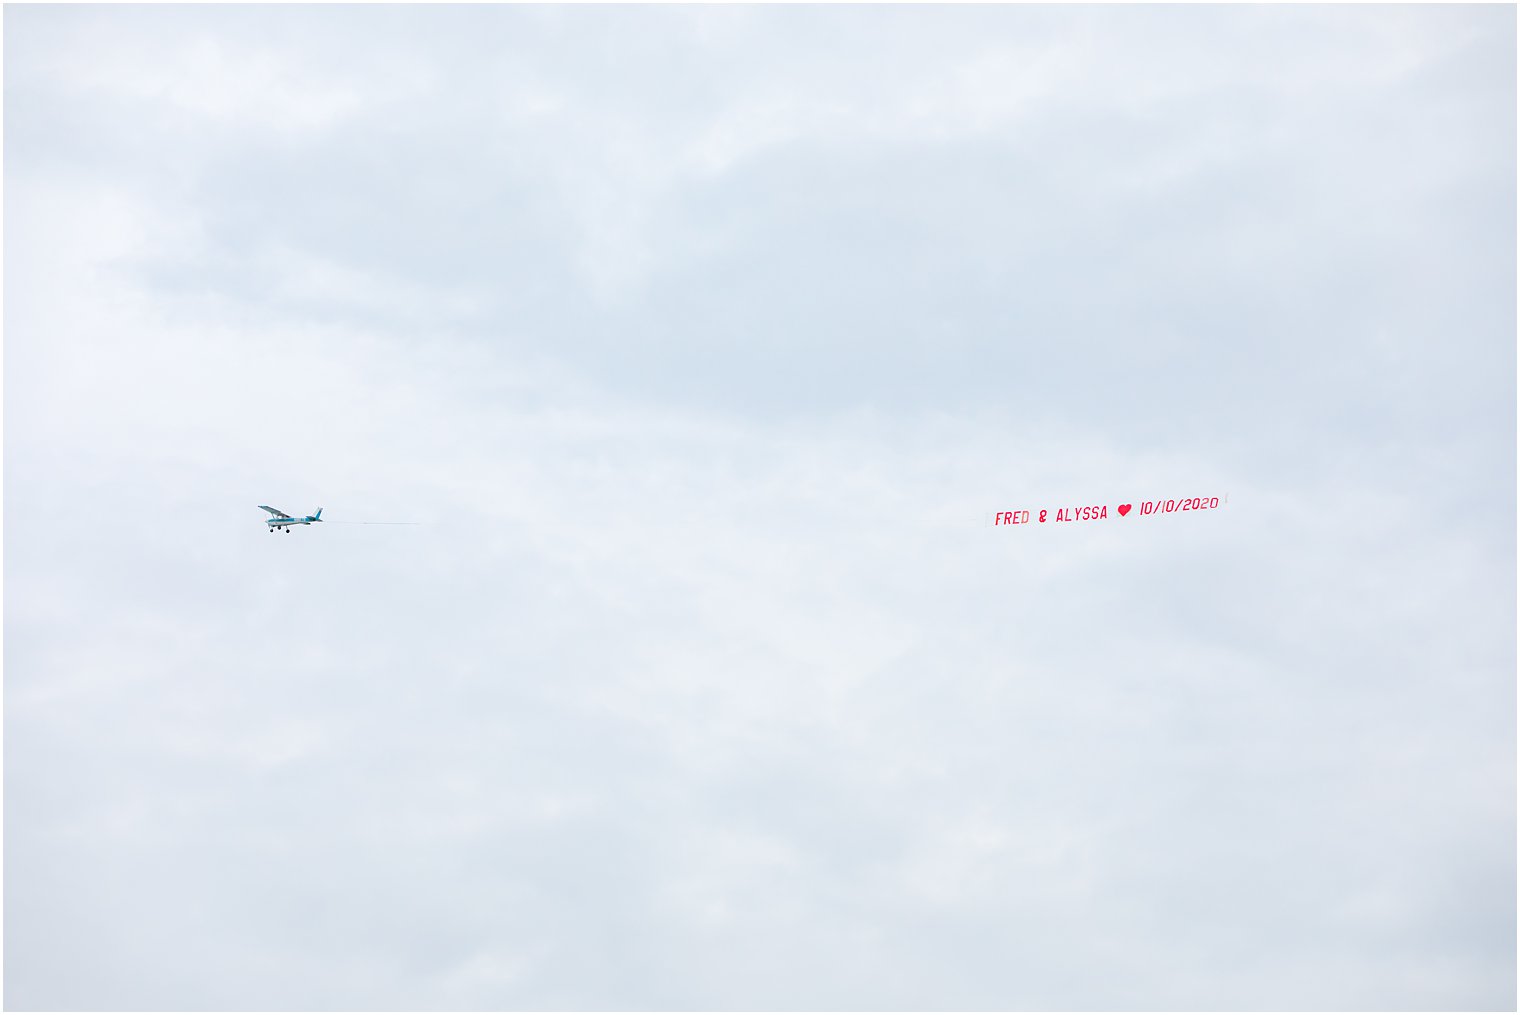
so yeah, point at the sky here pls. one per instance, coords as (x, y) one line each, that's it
(702, 345)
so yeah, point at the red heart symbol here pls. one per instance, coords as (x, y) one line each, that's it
(1123, 510)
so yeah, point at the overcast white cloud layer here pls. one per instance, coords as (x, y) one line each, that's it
(703, 343)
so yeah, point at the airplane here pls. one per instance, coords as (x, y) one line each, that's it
(283, 521)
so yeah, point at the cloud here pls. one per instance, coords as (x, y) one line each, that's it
(704, 680)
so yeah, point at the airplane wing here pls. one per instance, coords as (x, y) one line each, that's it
(274, 511)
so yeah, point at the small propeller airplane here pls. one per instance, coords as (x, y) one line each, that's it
(283, 521)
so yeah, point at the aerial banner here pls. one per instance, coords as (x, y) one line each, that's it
(1104, 512)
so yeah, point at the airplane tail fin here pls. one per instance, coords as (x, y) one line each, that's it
(318, 515)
